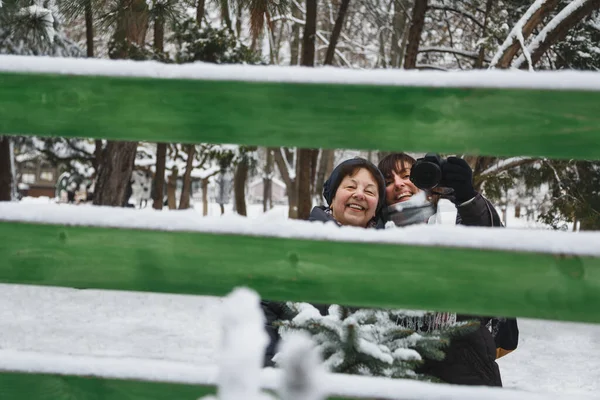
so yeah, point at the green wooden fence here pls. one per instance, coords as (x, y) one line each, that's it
(506, 122)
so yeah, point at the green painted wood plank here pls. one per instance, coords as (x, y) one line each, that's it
(483, 282)
(503, 122)
(21, 386)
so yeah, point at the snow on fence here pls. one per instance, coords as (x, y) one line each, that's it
(479, 112)
(501, 113)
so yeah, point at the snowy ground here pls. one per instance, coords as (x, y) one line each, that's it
(552, 357)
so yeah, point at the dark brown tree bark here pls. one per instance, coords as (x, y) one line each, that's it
(561, 29)
(414, 34)
(337, 30)
(97, 156)
(239, 185)
(118, 157)
(6, 175)
(89, 28)
(536, 18)
(310, 32)
(159, 34)
(159, 177)
(489, 5)
(115, 173)
(304, 162)
(132, 26)
(186, 190)
(313, 170)
(200, 7)
(303, 177)
(161, 148)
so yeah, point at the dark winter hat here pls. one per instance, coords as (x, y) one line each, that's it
(348, 167)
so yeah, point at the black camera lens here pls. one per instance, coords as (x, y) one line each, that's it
(426, 173)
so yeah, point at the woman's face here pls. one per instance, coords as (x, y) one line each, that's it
(398, 187)
(355, 201)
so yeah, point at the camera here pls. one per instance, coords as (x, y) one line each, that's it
(426, 173)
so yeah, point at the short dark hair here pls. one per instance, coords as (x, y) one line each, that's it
(395, 162)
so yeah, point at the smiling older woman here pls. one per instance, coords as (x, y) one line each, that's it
(355, 194)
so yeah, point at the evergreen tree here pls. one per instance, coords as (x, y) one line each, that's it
(34, 28)
(391, 343)
(208, 44)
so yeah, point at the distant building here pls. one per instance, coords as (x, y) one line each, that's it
(36, 177)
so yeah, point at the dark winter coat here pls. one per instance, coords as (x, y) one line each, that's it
(470, 360)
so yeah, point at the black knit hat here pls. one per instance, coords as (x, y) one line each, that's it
(346, 168)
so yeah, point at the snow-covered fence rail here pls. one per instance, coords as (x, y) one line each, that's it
(501, 113)
(550, 114)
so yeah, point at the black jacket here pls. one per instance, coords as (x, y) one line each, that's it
(470, 360)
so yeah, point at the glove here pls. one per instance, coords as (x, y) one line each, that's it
(457, 174)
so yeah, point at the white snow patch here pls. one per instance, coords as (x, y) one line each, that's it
(563, 80)
(544, 241)
(302, 368)
(243, 343)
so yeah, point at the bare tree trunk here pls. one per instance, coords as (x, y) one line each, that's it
(184, 200)
(6, 176)
(337, 30)
(303, 175)
(200, 12)
(97, 156)
(159, 33)
(303, 167)
(239, 185)
(313, 170)
(267, 181)
(132, 25)
(222, 207)
(118, 157)
(414, 34)
(310, 31)
(225, 14)
(205, 196)
(172, 189)
(481, 55)
(560, 30)
(115, 173)
(89, 28)
(399, 32)
(159, 177)
(238, 22)
(536, 18)
(295, 42)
